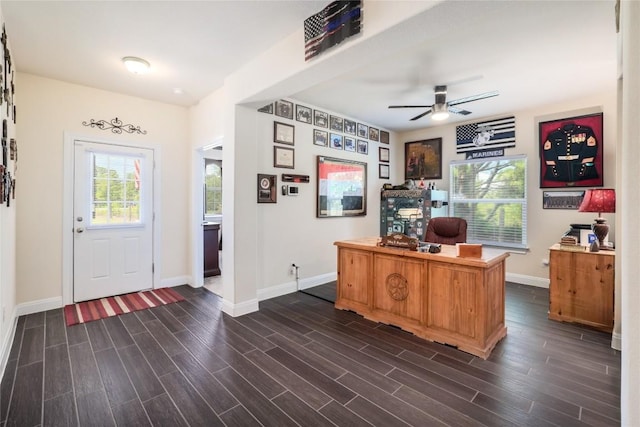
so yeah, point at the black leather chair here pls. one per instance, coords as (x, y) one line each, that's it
(446, 230)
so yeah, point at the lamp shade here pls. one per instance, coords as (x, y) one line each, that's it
(599, 200)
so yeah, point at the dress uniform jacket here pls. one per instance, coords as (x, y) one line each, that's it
(569, 154)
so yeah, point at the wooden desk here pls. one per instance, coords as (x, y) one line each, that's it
(439, 297)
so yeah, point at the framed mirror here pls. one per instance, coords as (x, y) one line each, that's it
(342, 187)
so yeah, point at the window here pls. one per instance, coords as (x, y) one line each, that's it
(491, 195)
(115, 195)
(213, 187)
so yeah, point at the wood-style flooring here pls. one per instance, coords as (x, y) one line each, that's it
(298, 361)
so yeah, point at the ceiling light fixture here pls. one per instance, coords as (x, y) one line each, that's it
(136, 65)
(439, 112)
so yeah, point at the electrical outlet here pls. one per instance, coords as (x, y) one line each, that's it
(292, 269)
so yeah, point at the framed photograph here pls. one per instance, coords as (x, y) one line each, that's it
(336, 141)
(349, 127)
(349, 144)
(283, 157)
(384, 136)
(571, 151)
(363, 131)
(284, 109)
(267, 188)
(283, 133)
(320, 137)
(383, 154)
(363, 146)
(320, 118)
(267, 109)
(423, 159)
(336, 123)
(374, 134)
(303, 114)
(342, 187)
(383, 171)
(562, 199)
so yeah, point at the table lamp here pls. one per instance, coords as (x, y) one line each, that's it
(599, 200)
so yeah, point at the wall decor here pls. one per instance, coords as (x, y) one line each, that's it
(303, 114)
(283, 133)
(288, 177)
(320, 118)
(267, 188)
(363, 131)
(333, 24)
(115, 125)
(336, 123)
(562, 199)
(423, 159)
(283, 157)
(342, 187)
(349, 127)
(383, 154)
(266, 109)
(571, 152)
(349, 144)
(383, 171)
(486, 135)
(336, 141)
(13, 150)
(363, 146)
(284, 109)
(374, 134)
(384, 136)
(320, 137)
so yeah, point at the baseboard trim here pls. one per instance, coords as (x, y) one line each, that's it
(321, 279)
(616, 341)
(276, 291)
(38, 306)
(236, 310)
(7, 342)
(527, 280)
(175, 281)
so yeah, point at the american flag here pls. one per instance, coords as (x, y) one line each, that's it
(490, 135)
(330, 26)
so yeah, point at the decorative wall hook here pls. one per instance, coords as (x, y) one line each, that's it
(115, 125)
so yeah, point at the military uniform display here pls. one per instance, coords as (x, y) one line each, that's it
(569, 154)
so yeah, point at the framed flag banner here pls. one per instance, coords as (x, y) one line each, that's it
(332, 25)
(571, 152)
(423, 159)
(488, 135)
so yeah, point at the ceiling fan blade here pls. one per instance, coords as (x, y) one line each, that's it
(457, 110)
(409, 106)
(441, 94)
(474, 97)
(421, 115)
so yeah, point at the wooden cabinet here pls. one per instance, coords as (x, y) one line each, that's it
(581, 287)
(355, 277)
(211, 262)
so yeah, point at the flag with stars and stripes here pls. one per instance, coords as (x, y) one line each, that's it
(487, 135)
(336, 22)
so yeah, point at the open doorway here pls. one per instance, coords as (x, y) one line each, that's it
(212, 218)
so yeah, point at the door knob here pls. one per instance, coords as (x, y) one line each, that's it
(79, 229)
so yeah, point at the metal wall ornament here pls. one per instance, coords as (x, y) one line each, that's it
(115, 125)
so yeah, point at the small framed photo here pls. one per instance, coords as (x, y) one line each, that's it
(363, 131)
(320, 137)
(283, 133)
(267, 188)
(383, 171)
(267, 109)
(349, 144)
(336, 141)
(336, 123)
(284, 109)
(384, 136)
(283, 157)
(383, 154)
(374, 134)
(303, 114)
(320, 118)
(363, 146)
(349, 127)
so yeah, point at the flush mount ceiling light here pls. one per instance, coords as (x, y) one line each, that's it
(136, 65)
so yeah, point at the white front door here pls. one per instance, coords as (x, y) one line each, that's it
(112, 220)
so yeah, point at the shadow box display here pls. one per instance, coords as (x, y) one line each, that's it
(342, 187)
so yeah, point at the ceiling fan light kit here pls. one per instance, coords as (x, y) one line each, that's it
(439, 112)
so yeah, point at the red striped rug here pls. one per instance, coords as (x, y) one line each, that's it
(112, 306)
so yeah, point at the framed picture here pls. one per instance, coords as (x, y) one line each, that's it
(363, 146)
(267, 188)
(267, 109)
(283, 157)
(562, 199)
(423, 159)
(363, 131)
(384, 136)
(336, 141)
(303, 114)
(383, 171)
(283, 133)
(383, 154)
(320, 137)
(374, 134)
(349, 127)
(320, 118)
(349, 144)
(342, 187)
(284, 109)
(336, 123)
(571, 151)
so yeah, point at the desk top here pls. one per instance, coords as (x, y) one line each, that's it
(559, 247)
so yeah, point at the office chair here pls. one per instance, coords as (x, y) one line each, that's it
(446, 230)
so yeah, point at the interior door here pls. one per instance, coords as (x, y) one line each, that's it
(113, 220)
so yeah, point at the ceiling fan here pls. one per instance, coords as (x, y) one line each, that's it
(441, 109)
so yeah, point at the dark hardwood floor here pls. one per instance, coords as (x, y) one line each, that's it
(298, 361)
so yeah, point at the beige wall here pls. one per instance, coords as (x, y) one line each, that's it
(49, 108)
